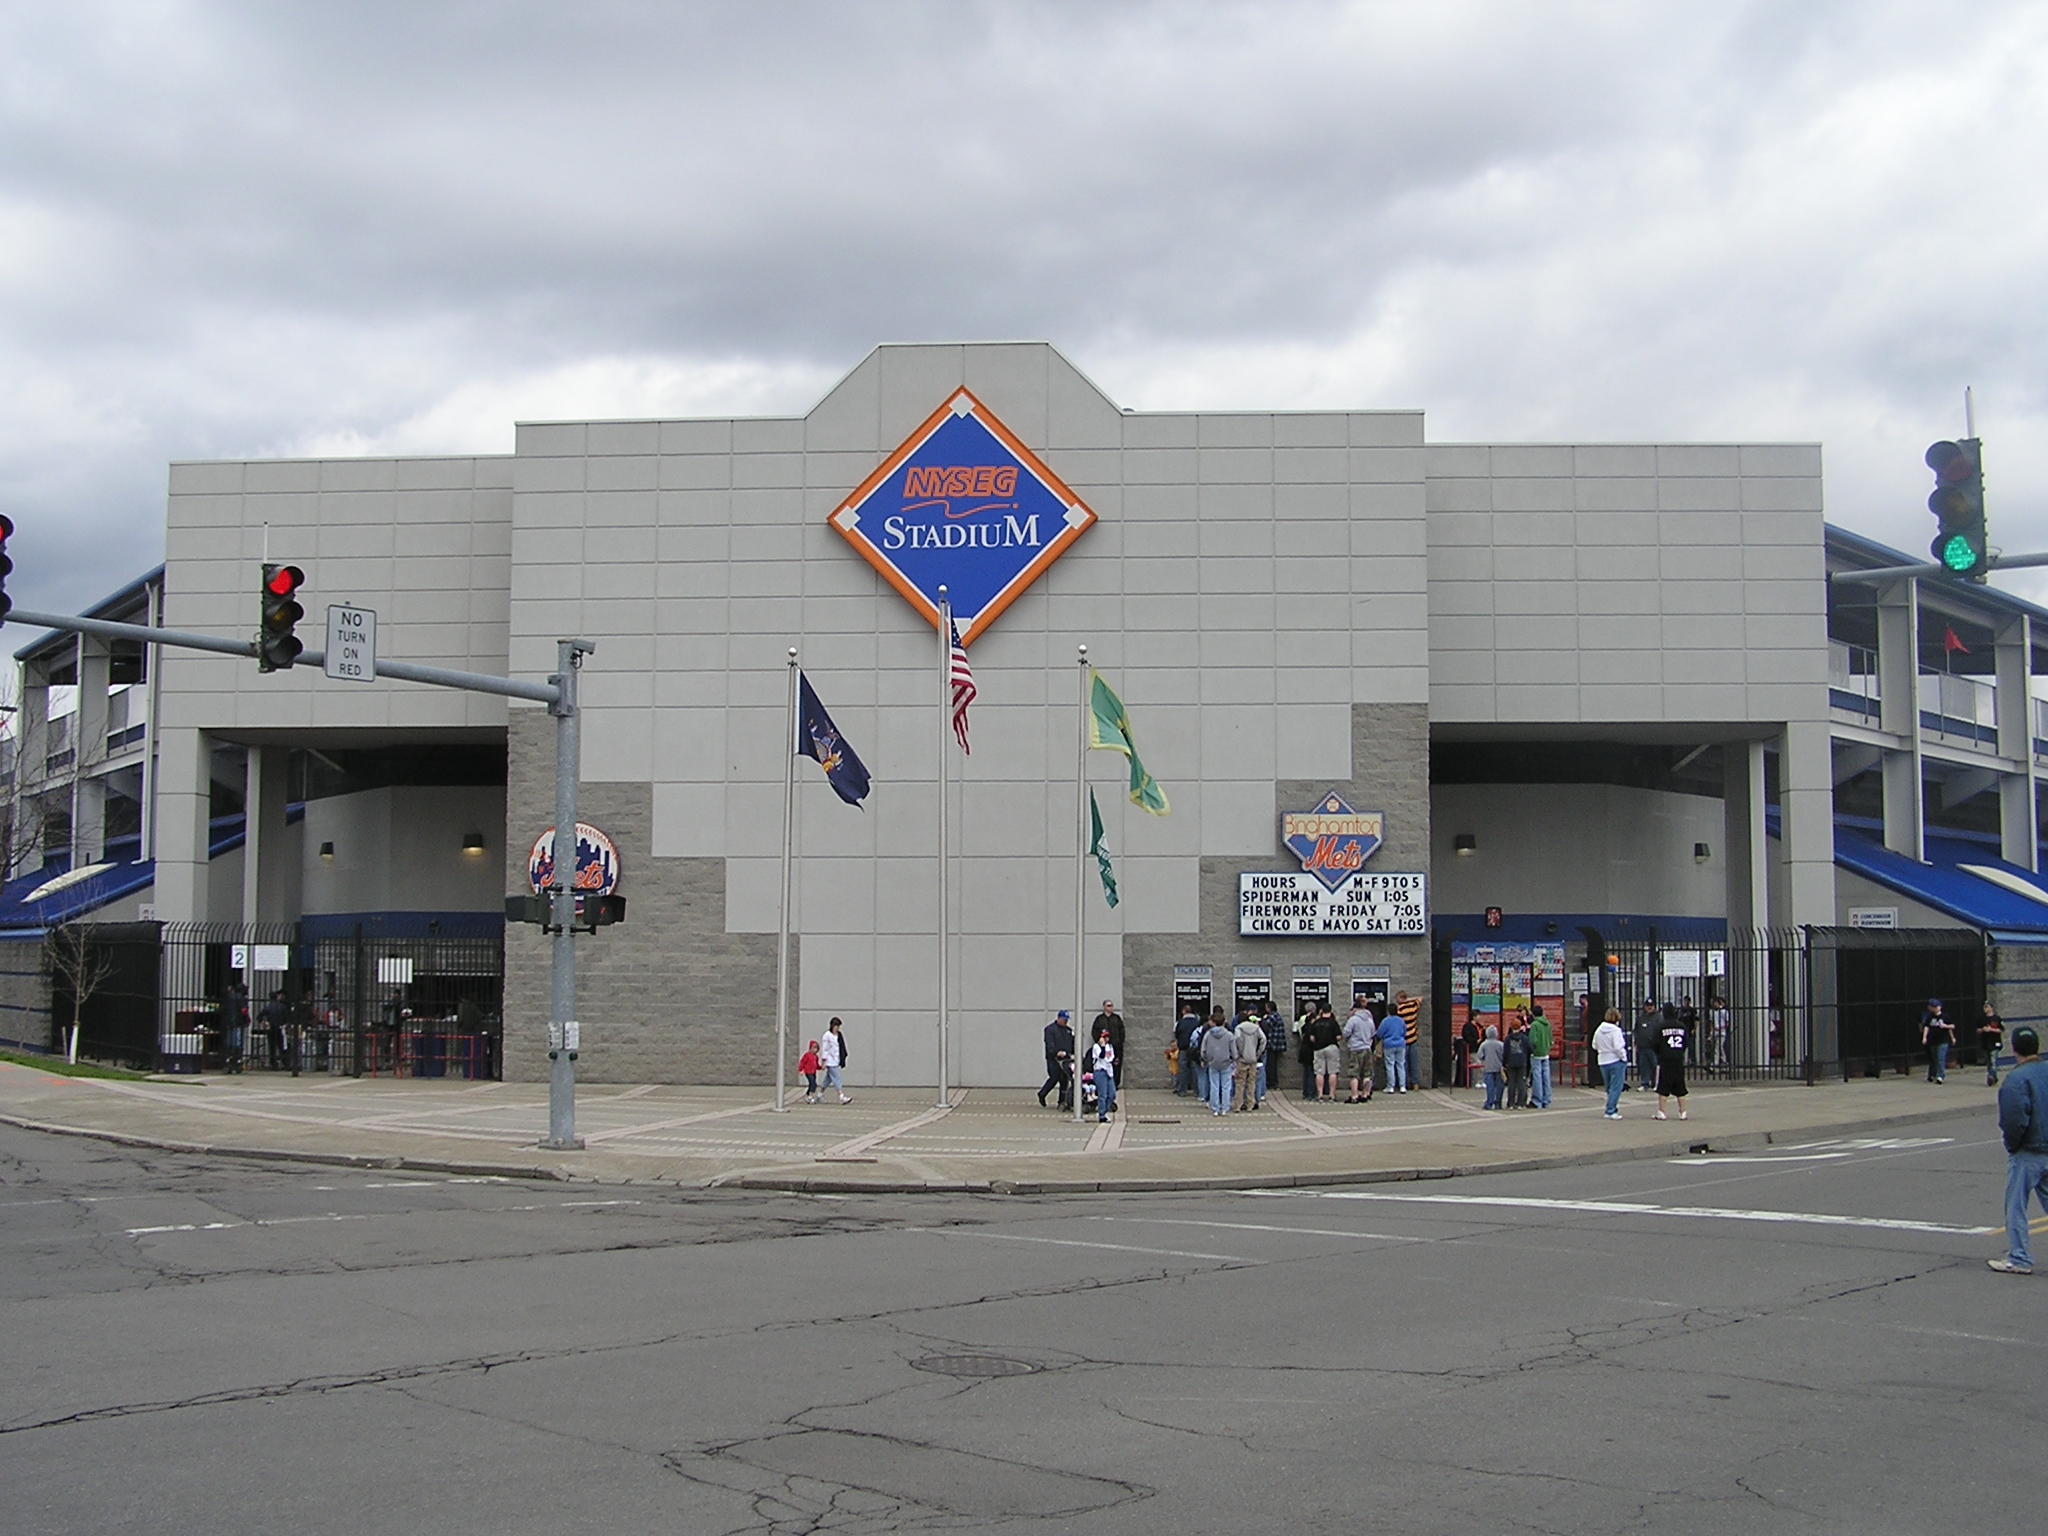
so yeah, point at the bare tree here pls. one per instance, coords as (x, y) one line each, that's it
(78, 965)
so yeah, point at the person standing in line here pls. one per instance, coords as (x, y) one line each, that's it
(1393, 1033)
(1276, 1051)
(1515, 1059)
(1251, 1051)
(1937, 1034)
(1468, 1052)
(2023, 1123)
(832, 1055)
(1357, 1042)
(1990, 1040)
(1410, 1009)
(1112, 1021)
(1184, 1032)
(1610, 1050)
(1202, 1084)
(1491, 1053)
(1646, 1045)
(1219, 1054)
(235, 1027)
(1541, 1042)
(1305, 1052)
(1717, 1035)
(1059, 1061)
(1102, 1059)
(1328, 1058)
(273, 1015)
(1671, 1042)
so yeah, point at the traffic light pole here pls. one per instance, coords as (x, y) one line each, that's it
(559, 694)
(564, 1033)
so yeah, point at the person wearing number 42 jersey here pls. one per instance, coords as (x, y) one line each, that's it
(1670, 1047)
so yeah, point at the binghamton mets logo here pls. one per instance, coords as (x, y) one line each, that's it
(1333, 841)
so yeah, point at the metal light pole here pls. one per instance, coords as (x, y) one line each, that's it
(564, 1033)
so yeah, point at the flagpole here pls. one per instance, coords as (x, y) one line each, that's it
(1080, 879)
(782, 928)
(945, 913)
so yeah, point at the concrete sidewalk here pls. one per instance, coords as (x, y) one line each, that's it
(997, 1140)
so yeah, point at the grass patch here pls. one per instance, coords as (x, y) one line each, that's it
(63, 1068)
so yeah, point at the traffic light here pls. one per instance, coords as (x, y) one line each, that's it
(276, 646)
(6, 565)
(1962, 544)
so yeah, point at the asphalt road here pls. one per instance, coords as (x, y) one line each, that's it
(1800, 1340)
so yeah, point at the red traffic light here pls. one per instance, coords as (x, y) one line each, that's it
(285, 580)
(6, 527)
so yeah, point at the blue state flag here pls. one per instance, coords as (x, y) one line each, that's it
(818, 739)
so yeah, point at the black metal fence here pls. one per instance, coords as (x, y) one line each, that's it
(1798, 1002)
(356, 1006)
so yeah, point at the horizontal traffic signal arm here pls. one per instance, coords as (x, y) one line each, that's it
(403, 671)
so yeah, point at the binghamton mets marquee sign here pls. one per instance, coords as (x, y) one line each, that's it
(1334, 894)
(964, 505)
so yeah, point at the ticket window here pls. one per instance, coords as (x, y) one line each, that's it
(1309, 992)
(1252, 992)
(1374, 992)
(1190, 996)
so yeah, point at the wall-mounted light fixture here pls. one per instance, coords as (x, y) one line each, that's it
(473, 843)
(1701, 853)
(327, 853)
(1465, 845)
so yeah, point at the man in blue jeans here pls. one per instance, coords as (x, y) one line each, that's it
(2023, 1122)
(1540, 1042)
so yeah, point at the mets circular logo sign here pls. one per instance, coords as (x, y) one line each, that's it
(597, 862)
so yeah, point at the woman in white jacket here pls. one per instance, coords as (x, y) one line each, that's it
(1610, 1049)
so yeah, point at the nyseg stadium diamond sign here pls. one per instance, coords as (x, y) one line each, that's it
(964, 505)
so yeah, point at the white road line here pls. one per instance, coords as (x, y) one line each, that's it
(1070, 1242)
(1631, 1208)
(1715, 1160)
(1250, 1226)
(228, 1226)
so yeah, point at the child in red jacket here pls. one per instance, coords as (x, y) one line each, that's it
(808, 1065)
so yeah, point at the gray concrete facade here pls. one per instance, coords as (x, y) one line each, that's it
(1286, 602)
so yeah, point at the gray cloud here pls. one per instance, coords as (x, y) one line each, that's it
(237, 229)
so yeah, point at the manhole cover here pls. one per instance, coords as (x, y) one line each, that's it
(976, 1365)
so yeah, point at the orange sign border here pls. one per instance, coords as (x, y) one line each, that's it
(1018, 584)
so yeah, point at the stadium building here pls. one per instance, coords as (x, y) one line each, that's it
(1486, 723)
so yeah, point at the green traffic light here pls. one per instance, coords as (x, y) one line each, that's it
(1959, 555)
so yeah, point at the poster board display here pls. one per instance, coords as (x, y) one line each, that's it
(1490, 983)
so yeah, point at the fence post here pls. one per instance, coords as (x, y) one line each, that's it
(356, 1006)
(1806, 997)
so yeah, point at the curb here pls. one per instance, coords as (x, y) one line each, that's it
(293, 1155)
(813, 1184)
(1741, 1141)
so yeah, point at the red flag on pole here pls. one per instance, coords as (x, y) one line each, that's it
(1951, 642)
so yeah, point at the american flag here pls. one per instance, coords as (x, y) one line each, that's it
(963, 686)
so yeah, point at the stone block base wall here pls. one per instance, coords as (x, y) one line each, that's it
(2016, 976)
(24, 995)
(668, 996)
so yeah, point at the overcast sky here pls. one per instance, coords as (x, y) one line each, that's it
(276, 229)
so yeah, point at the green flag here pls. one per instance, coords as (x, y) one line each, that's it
(1101, 853)
(1110, 727)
